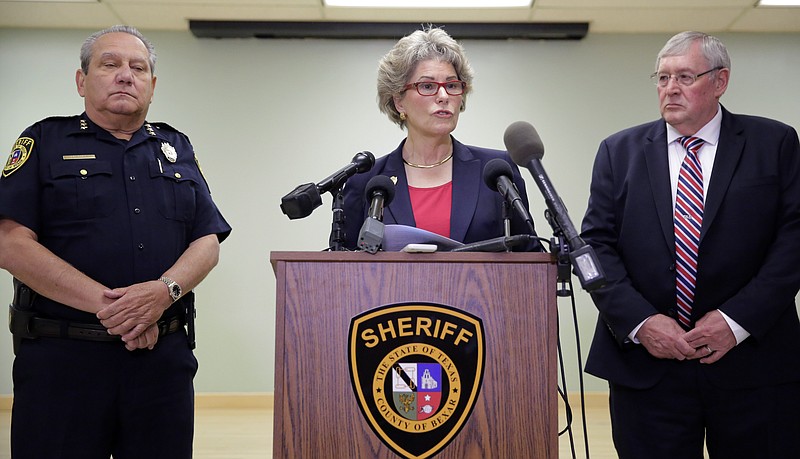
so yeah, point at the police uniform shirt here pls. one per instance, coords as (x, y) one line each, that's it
(121, 212)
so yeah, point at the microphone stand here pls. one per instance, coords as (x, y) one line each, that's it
(507, 221)
(560, 247)
(336, 240)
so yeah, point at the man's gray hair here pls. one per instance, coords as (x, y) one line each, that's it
(712, 48)
(86, 49)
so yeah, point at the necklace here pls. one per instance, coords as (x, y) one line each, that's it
(429, 166)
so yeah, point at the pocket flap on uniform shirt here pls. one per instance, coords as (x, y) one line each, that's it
(80, 168)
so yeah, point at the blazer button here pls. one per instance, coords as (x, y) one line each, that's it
(672, 313)
(671, 267)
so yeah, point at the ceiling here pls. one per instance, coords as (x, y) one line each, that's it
(603, 16)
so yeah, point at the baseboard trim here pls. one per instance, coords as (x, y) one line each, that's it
(238, 401)
(210, 400)
(592, 400)
(266, 400)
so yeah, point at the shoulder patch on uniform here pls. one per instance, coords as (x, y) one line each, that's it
(19, 154)
(197, 162)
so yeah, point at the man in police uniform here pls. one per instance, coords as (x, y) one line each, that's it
(106, 224)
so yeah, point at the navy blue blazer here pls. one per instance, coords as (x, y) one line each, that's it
(749, 254)
(476, 210)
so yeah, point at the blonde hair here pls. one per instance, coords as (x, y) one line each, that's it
(396, 67)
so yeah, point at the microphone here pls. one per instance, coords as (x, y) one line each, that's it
(497, 175)
(361, 162)
(526, 149)
(379, 192)
(498, 244)
(301, 201)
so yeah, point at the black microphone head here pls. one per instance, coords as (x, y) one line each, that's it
(495, 169)
(301, 201)
(523, 143)
(380, 183)
(364, 161)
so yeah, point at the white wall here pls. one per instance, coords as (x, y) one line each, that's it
(267, 115)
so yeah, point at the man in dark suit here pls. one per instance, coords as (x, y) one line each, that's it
(698, 333)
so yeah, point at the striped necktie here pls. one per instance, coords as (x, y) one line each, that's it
(688, 221)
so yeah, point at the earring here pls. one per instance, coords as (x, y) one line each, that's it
(402, 116)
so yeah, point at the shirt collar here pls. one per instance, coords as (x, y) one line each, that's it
(84, 125)
(709, 133)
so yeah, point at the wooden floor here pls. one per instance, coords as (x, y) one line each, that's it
(239, 434)
(246, 433)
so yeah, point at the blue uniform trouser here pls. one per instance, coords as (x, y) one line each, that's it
(89, 400)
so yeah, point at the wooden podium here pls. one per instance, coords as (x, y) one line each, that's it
(318, 293)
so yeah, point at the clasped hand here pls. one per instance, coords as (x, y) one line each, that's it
(134, 313)
(709, 340)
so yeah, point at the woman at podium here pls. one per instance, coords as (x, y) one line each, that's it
(423, 83)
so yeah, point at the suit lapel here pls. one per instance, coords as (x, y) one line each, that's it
(399, 210)
(729, 151)
(466, 182)
(657, 160)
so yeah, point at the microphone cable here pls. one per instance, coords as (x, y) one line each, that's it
(562, 390)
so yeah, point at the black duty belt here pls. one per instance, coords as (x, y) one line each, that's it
(51, 328)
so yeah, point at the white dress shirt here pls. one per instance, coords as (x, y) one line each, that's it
(710, 135)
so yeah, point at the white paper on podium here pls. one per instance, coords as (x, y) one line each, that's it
(395, 237)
